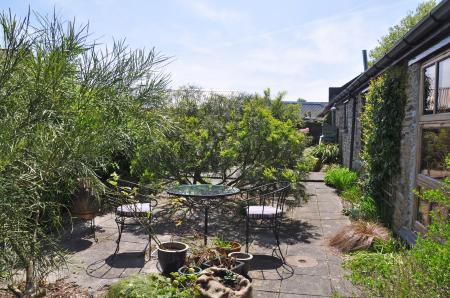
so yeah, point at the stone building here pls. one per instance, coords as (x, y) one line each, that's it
(425, 135)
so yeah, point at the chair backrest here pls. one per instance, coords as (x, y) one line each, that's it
(272, 194)
(136, 193)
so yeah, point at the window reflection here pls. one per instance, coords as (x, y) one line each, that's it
(444, 87)
(424, 211)
(429, 87)
(435, 147)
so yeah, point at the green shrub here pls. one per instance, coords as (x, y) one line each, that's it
(326, 153)
(341, 178)
(352, 194)
(154, 286)
(422, 271)
(326, 168)
(392, 271)
(309, 162)
(365, 208)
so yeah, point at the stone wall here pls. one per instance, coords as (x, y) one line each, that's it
(357, 163)
(404, 183)
(345, 132)
(401, 198)
(344, 129)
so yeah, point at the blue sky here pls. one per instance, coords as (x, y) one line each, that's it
(301, 47)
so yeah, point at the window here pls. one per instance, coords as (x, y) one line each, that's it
(436, 88)
(444, 86)
(423, 212)
(429, 87)
(435, 145)
(434, 133)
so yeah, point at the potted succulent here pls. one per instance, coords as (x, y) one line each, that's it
(243, 257)
(224, 247)
(171, 256)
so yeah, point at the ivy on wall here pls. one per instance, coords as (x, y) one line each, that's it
(381, 126)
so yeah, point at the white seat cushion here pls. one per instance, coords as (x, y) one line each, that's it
(131, 210)
(263, 211)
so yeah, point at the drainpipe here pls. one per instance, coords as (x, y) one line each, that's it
(333, 116)
(352, 140)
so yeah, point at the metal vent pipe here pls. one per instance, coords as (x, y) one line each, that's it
(366, 65)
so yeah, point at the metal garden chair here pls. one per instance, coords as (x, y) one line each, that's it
(265, 209)
(132, 201)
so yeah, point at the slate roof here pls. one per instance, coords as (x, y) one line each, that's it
(310, 110)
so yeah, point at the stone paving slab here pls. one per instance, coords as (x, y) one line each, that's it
(315, 271)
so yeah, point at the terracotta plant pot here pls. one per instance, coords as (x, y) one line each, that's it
(235, 247)
(84, 204)
(171, 256)
(244, 257)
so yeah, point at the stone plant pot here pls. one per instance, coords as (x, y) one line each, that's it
(235, 247)
(243, 257)
(84, 204)
(211, 285)
(171, 256)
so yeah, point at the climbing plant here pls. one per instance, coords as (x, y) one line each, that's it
(381, 123)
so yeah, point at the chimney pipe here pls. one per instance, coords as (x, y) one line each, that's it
(366, 65)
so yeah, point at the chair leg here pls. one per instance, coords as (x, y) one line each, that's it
(120, 223)
(93, 229)
(276, 232)
(149, 239)
(247, 231)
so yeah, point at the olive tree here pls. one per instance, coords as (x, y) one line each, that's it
(236, 140)
(67, 107)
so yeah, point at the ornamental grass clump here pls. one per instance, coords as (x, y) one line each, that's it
(361, 205)
(359, 235)
(341, 178)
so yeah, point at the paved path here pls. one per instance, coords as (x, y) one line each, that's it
(315, 271)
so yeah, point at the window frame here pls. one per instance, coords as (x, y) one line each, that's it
(435, 120)
(435, 117)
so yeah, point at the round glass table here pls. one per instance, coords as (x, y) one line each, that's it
(204, 195)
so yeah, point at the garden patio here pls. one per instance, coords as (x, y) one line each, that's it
(93, 138)
(317, 268)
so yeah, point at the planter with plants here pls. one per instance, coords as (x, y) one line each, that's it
(201, 254)
(189, 270)
(220, 282)
(224, 247)
(225, 262)
(171, 256)
(155, 285)
(243, 257)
